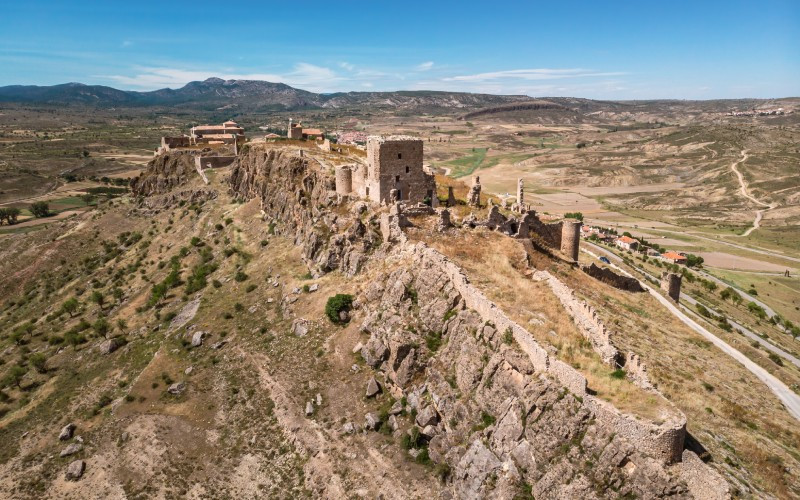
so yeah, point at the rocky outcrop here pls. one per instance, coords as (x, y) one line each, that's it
(164, 173)
(494, 406)
(298, 198)
(485, 398)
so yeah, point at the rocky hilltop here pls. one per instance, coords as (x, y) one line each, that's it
(250, 332)
(470, 387)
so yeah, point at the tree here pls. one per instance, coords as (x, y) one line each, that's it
(38, 361)
(11, 215)
(70, 306)
(336, 304)
(101, 327)
(97, 298)
(40, 209)
(14, 376)
(87, 198)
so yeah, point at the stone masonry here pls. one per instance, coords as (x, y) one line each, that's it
(570, 239)
(671, 283)
(395, 162)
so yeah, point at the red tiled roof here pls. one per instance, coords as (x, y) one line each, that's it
(627, 239)
(673, 256)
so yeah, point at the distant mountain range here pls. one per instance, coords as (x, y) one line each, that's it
(253, 95)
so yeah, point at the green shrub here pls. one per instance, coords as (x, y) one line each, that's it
(336, 304)
(38, 361)
(618, 374)
(433, 341)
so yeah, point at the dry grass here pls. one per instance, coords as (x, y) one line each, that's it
(495, 264)
(748, 433)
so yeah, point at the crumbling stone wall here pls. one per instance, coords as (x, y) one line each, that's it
(609, 277)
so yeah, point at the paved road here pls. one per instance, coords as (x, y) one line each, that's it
(687, 298)
(786, 395)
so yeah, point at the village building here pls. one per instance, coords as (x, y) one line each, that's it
(627, 243)
(227, 133)
(393, 170)
(297, 132)
(674, 257)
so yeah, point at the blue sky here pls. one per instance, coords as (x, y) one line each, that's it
(597, 49)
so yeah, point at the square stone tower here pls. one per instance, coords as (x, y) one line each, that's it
(395, 162)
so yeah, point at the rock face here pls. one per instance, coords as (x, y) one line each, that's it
(298, 195)
(75, 470)
(164, 173)
(517, 426)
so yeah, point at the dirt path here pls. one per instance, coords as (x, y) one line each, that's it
(328, 451)
(744, 191)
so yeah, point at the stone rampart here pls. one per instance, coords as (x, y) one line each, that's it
(585, 318)
(664, 440)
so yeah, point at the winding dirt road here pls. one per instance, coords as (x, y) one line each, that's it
(744, 191)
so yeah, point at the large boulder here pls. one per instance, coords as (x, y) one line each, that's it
(66, 432)
(75, 470)
(71, 449)
(197, 338)
(373, 387)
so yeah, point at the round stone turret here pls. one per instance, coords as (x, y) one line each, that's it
(671, 283)
(571, 238)
(344, 180)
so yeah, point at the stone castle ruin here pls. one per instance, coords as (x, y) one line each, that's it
(296, 194)
(393, 169)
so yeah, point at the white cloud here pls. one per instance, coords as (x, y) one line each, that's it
(424, 66)
(530, 74)
(347, 66)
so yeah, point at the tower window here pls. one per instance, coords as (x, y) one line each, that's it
(399, 156)
(397, 178)
(408, 169)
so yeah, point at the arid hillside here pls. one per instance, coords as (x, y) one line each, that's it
(262, 336)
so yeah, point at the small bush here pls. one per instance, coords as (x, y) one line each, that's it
(240, 276)
(336, 304)
(250, 288)
(775, 359)
(508, 336)
(618, 374)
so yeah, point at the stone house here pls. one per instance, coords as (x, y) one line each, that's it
(674, 257)
(627, 243)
